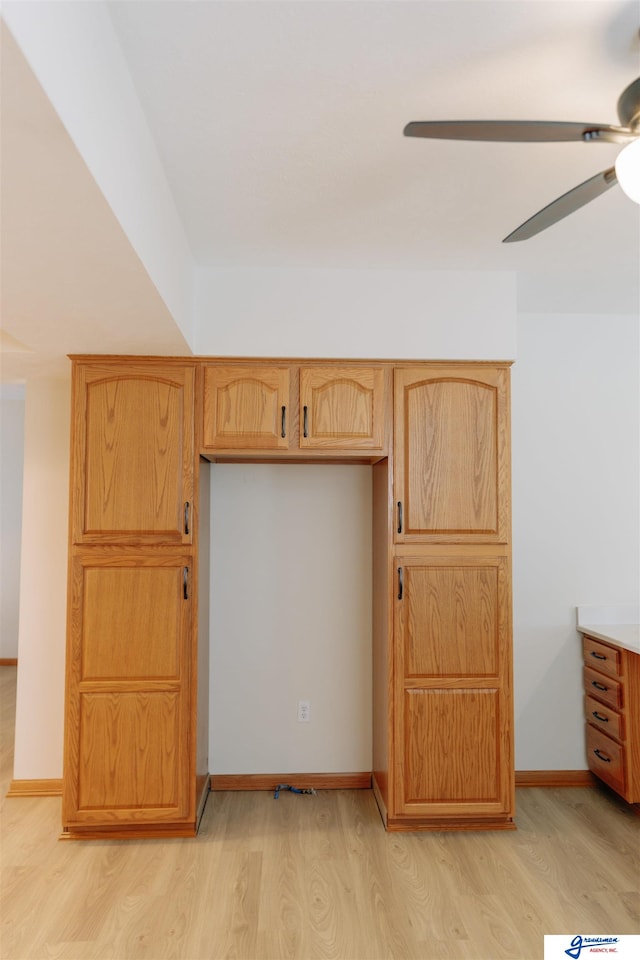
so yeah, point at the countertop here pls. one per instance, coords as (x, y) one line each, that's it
(625, 635)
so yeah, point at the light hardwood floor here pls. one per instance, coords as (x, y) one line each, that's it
(315, 877)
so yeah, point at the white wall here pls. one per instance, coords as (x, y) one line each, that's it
(74, 52)
(11, 460)
(397, 314)
(291, 618)
(576, 527)
(43, 592)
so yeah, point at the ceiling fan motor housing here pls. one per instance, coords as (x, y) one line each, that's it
(629, 106)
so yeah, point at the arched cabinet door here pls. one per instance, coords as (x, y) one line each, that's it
(133, 439)
(342, 407)
(451, 454)
(247, 407)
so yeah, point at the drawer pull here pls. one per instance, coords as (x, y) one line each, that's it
(399, 516)
(305, 412)
(601, 756)
(598, 656)
(599, 686)
(283, 424)
(598, 717)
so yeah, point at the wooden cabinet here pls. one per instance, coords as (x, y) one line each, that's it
(136, 735)
(247, 407)
(451, 742)
(130, 767)
(259, 407)
(127, 753)
(133, 446)
(451, 443)
(342, 407)
(452, 731)
(612, 712)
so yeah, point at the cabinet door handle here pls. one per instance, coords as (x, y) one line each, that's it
(186, 518)
(598, 656)
(594, 713)
(185, 583)
(601, 756)
(283, 431)
(305, 421)
(399, 516)
(400, 583)
(598, 686)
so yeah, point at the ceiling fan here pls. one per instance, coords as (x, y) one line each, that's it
(626, 171)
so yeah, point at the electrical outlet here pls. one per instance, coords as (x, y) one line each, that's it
(304, 711)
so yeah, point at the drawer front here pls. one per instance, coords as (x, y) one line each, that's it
(604, 718)
(606, 758)
(603, 688)
(602, 657)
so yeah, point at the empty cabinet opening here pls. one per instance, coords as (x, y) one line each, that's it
(290, 616)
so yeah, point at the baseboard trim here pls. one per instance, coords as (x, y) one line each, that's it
(35, 788)
(8, 661)
(269, 781)
(555, 778)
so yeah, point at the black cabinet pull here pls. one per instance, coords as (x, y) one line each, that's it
(399, 516)
(305, 421)
(598, 656)
(185, 582)
(598, 686)
(601, 756)
(284, 423)
(400, 583)
(186, 518)
(594, 713)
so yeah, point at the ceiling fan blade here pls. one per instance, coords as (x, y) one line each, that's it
(568, 203)
(516, 131)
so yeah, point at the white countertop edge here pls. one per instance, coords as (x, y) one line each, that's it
(625, 635)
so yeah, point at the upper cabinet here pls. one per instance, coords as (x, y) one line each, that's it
(133, 436)
(451, 454)
(247, 407)
(286, 408)
(342, 407)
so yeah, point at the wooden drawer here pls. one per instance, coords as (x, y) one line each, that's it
(604, 718)
(603, 688)
(602, 657)
(606, 758)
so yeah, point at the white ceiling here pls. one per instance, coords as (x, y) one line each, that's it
(279, 125)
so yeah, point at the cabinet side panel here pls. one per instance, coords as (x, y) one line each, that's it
(382, 631)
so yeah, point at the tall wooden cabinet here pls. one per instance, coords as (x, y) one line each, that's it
(129, 749)
(450, 756)
(437, 437)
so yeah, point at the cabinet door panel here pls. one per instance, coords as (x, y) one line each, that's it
(451, 748)
(452, 665)
(133, 453)
(129, 752)
(127, 741)
(246, 407)
(450, 621)
(452, 454)
(342, 407)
